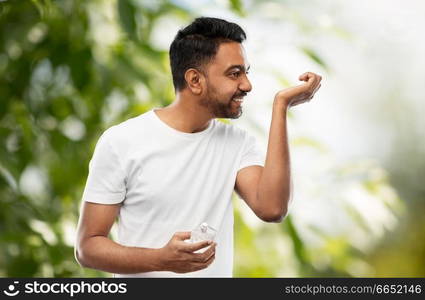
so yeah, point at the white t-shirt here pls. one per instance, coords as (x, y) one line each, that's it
(170, 181)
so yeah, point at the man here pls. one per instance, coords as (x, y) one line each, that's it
(168, 170)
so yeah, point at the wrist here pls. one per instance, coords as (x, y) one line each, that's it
(149, 260)
(160, 263)
(280, 105)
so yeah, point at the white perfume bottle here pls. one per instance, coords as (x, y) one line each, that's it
(203, 232)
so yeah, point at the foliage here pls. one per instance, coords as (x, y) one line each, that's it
(62, 82)
(69, 69)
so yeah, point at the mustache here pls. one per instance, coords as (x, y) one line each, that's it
(242, 94)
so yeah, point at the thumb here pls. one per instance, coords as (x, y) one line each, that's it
(307, 77)
(303, 77)
(181, 236)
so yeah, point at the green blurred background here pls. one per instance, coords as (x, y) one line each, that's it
(71, 69)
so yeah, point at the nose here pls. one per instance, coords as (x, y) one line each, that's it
(245, 85)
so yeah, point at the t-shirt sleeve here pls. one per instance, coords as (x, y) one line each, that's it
(106, 180)
(252, 154)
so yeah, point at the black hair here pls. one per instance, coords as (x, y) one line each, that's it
(196, 45)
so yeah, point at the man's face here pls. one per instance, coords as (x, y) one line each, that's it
(227, 81)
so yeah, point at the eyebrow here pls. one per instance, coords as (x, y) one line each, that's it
(240, 67)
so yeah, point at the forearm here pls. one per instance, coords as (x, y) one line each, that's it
(101, 253)
(275, 183)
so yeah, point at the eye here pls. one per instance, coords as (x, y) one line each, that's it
(235, 74)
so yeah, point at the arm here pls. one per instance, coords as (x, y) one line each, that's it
(95, 250)
(267, 190)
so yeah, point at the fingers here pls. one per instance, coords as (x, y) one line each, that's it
(317, 88)
(182, 257)
(308, 98)
(314, 91)
(195, 246)
(304, 76)
(181, 236)
(203, 265)
(203, 257)
(309, 77)
(209, 260)
(300, 102)
(199, 261)
(312, 79)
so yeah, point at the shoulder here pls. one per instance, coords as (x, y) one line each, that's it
(126, 132)
(230, 130)
(129, 126)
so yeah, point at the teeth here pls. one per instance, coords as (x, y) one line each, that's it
(238, 99)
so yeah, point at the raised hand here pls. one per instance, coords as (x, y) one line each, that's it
(301, 93)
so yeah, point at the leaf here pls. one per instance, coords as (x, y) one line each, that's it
(315, 57)
(126, 13)
(296, 240)
(309, 142)
(236, 6)
(8, 177)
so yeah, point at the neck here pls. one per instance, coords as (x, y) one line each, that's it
(185, 114)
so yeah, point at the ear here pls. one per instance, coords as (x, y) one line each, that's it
(194, 80)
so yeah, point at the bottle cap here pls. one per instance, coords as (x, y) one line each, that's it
(204, 227)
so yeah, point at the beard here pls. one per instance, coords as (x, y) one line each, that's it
(220, 107)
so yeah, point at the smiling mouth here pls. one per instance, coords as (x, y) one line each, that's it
(238, 99)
